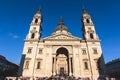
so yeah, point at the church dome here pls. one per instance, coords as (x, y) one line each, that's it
(61, 26)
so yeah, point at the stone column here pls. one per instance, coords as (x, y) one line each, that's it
(34, 78)
(53, 65)
(31, 78)
(54, 68)
(70, 67)
(19, 79)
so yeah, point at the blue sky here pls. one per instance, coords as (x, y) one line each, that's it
(16, 16)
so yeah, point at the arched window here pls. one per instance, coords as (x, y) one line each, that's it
(29, 50)
(36, 20)
(91, 36)
(27, 65)
(95, 51)
(87, 20)
(84, 51)
(38, 65)
(40, 51)
(33, 35)
(86, 65)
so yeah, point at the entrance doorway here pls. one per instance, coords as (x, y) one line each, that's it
(61, 70)
(62, 61)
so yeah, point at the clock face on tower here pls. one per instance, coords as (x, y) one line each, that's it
(33, 31)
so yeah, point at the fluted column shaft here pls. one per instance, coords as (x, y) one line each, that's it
(70, 73)
(54, 66)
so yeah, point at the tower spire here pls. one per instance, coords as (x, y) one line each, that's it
(39, 10)
(61, 26)
(84, 10)
(61, 21)
(88, 28)
(35, 31)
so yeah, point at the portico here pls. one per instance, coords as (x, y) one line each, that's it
(62, 62)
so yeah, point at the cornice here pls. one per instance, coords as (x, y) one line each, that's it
(62, 40)
(90, 40)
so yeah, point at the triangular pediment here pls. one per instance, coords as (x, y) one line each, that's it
(62, 37)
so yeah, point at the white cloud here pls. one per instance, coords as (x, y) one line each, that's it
(13, 35)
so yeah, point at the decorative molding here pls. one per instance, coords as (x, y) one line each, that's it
(31, 42)
(85, 59)
(33, 31)
(27, 58)
(77, 54)
(76, 46)
(47, 46)
(90, 31)
(39, 59)
(62, 37)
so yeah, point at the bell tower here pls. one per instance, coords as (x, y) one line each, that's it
(88, 28)
(35, 30)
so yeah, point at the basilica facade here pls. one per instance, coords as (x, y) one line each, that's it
(61, 52)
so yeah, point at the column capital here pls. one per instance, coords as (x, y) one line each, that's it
(70, 56)
(54, 56)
